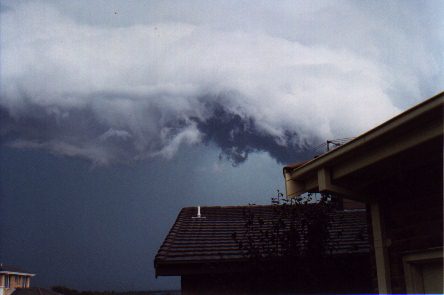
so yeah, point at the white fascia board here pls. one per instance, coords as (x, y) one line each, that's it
(16, 273)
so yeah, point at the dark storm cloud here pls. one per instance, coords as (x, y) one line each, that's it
(73, 133)
(89, 133)
(123, 87)
(79, 132)
(238, 136)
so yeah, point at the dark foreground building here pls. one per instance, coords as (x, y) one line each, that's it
(397, 169)
(207, 253)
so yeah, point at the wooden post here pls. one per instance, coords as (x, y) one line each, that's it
(381, 255)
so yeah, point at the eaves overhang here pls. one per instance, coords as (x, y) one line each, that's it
(17, 273)
(411, 128)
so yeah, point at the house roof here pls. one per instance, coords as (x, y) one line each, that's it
(418, 126)
(210, 239)
(13, 269)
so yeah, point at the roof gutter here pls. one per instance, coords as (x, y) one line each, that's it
(296, 177)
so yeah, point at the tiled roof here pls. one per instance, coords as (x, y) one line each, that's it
(11, 268)
(210, 238)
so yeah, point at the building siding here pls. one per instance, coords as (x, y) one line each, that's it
(341, 275)
(412, 210)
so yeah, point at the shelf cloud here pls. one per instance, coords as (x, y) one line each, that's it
(121, 91)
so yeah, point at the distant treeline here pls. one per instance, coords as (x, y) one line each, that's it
(68, 291)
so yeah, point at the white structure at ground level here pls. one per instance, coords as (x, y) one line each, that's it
(12, 277)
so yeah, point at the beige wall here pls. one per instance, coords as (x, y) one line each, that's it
(15, 281)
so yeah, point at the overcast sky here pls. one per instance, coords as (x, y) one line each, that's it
(115, 114)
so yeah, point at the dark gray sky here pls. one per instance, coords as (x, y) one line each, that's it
(116, 114)
(99, 228)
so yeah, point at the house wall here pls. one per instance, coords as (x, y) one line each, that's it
(348, 204)
(372, 269)
(412, 209)
(15, 281)
(348, 274)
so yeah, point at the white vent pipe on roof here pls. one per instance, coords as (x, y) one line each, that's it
(199, 216)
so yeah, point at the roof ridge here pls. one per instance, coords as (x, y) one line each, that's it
(231, 206)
